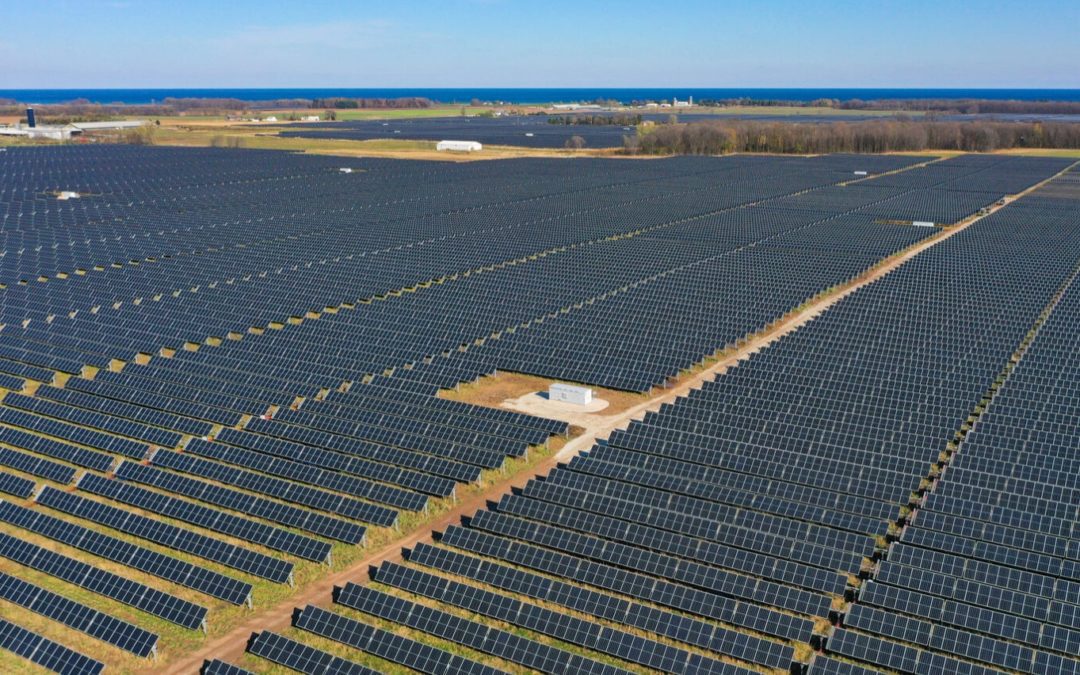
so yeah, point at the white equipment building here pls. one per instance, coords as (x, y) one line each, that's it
(458, 146)
(569, 393)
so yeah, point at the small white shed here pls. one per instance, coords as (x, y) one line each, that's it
(458, 146)
(569, 393)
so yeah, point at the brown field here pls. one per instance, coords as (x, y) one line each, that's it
(492, 390)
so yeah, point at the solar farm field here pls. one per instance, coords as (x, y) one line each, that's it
(535, 131)
(527, 131)
(222, 379)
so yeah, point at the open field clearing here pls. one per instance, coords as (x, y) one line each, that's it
(257, 408)
(341, 114)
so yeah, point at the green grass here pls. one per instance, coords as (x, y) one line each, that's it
(342, 114)
(407, 113)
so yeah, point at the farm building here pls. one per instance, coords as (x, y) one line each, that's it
(56, 132)
(458, 146)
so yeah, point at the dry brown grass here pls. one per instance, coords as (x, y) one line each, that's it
(491, 390)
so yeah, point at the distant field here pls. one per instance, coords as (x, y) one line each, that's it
(343, 115)
(438, 111)
(1043, 152)
(265, 138)
(786, 110)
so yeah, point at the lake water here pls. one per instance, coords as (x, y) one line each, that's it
(510, 95)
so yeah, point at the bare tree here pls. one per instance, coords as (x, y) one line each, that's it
(892, 135)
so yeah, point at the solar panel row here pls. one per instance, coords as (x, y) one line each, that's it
(210, 519)
(296, 656)
(771, 488)
(219, 667)
(78, 616)
(172, 536)
(45, 652)
(95, 580)
(986, 571)
(385, 644)
(115, 549)
(280, 328)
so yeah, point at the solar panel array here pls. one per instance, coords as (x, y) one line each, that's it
(78, 616)
(45, 652)
(529, 131)
(218, 367)
(987, 568)
(742, 518)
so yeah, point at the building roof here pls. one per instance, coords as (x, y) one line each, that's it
(97, 126)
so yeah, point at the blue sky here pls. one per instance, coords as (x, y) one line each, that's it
(539, 43)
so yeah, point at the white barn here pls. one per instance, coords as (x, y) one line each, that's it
(458, 146)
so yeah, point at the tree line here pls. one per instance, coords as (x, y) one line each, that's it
(84, 111)
(406, 102)
(964, 106)
(967, 106)
(717, 137)
(620, 120)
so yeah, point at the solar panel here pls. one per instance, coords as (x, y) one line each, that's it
(174, 537)
(298, 656)
(72, 432)
(617, 643)
(387, 473)
(826, 665)
(212, 519)
(697, 633)
(641, 586)
(46, 653)
(36, 466)
(51, 448)
(96, 580)
(281, 489)
(143, 559)
(387, 645)
(16, 485)
(235, 500)
(304, 473)
(736, 515)
(78, 616)
(873, 650)
(219, 667)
